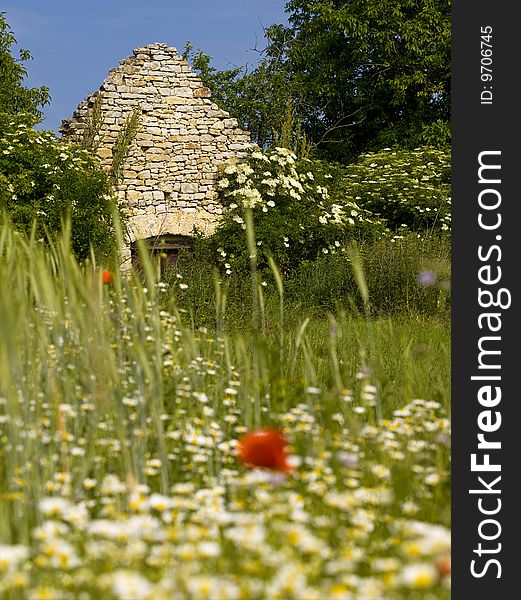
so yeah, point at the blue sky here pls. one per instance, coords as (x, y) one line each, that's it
(74, 44)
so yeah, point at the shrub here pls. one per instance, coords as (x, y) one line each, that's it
(404, 276)
(392, 270)
(45, 182)
(409, 189)
(294, 216)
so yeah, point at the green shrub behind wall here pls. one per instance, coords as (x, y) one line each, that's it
(45, 182)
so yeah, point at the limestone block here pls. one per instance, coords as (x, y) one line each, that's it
(104, 152)
(134, 195)
(202, 92)
(176, 100)
(188, 188)
(183, 92)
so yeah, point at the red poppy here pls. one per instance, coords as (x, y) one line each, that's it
(265, 448)
(107, 277)
(443, 565)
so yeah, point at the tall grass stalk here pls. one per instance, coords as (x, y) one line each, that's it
(252, 251)
(359, 275)
(111, 381)
(280, 289)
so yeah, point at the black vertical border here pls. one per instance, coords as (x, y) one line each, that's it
(480, 127)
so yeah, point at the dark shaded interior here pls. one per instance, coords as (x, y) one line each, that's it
(164, 248)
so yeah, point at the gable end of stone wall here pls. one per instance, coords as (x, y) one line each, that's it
(168, 178)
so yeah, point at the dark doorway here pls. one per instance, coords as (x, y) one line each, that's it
(164, 249)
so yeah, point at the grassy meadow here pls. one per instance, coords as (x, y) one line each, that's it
(122, 405)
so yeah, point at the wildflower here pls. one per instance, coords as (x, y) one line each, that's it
(419, 575)
(130, 586)
(264, 448)
(348, 459)
(11, 556)
(364, 372)
(249, 535)
(409, 507)
(313, 390)
(111, 485)
(159, 502)
(54, 506)
(427, 278)
(381, 471)
(61, 554)
(443, 564)
(107, 277)
(44, 593)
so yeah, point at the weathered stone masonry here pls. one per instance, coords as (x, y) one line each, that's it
(169, 175)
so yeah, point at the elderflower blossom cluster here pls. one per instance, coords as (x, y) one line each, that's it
(293, 194)
(408, 188)
(254, 182)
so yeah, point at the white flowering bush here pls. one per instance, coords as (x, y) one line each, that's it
(44, 182)
(295, 214)
(409, 189)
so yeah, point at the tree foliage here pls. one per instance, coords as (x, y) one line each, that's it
(15, 98)
(43, 181)
(356, 75)
(368, 73)
(258, 98)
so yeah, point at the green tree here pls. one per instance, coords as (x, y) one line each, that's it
(345, 77)
(43, 181)
(367, 73)
(15, 98)
(257, 98)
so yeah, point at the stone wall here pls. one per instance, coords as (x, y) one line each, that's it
(168, 179)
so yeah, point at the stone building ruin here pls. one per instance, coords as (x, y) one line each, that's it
(167, 178)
